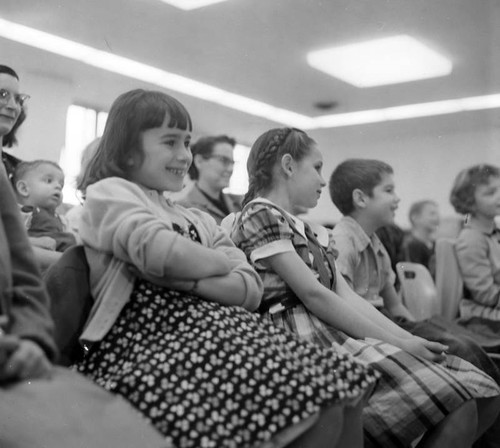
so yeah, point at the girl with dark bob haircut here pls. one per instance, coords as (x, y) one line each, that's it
(176, 336)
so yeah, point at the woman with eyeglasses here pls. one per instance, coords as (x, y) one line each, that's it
(12, 115)
(211, 171)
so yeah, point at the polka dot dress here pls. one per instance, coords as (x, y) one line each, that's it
(208, 375)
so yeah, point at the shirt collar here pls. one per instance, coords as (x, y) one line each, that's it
(360, 237)
(483, 228)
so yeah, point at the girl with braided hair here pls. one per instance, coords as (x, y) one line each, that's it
(422, 392)
(175, 336)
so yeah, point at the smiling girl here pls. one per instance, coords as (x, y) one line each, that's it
(183, 348)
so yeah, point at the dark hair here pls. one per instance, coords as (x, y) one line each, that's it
(204, 147)
(466, 182)
(352, 174)
(268, 149)
(24, 168)
(131, 114)
(417, 208)
(10, 139)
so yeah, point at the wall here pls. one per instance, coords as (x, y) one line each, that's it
(424, 165)
(42, 134)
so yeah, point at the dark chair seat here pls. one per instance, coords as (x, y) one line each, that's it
(67, 282)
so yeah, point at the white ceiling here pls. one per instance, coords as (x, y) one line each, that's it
(257, 48)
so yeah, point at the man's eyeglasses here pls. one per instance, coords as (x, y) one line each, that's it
(19, 98)
(226, 161)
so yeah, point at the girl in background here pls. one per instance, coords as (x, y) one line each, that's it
(422, 390)
(184, 349)
(476, 194)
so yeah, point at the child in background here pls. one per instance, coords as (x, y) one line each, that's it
(38, 185)
(476, 194)
(305, 294)
(185, 348)
(418, 246)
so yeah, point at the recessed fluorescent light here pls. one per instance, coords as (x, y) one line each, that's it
(378, 62)
(409, 111)
(136, 70)
(187, 5)
(133, 69)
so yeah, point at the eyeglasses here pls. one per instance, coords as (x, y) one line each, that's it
(226, 161)
(19, 98)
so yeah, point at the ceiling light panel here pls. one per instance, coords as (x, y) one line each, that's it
(379, 62)
(136, 70)
(188, 5)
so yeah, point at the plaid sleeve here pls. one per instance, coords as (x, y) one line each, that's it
(262, 231)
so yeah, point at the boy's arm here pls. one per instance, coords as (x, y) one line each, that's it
(394, 304)
(347, 258)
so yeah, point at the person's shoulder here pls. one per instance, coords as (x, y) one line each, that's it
(114, 184)
(470, 233)
(345, 228)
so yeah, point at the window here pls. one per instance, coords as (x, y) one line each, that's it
(239, 180)
(83, 125)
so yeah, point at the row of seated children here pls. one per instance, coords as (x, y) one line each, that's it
(475, 195)
(173, 337)
(281, 248)
(199, 405)
(172, 313)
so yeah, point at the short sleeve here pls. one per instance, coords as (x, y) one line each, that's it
(262, 231)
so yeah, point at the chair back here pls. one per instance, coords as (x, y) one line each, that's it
(449, 282)
(68, 284)
(418, 290)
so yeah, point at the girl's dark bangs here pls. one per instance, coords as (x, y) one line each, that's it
(179, 116)
(156, 107)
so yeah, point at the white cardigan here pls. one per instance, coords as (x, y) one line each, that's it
(125, 224)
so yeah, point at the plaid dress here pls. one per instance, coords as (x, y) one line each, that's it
(413, 394)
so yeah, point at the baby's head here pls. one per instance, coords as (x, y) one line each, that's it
(424, 216)
(142, 142)
(39, 183)
(364, 186)
(476, 190)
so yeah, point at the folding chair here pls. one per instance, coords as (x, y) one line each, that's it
(418, 290)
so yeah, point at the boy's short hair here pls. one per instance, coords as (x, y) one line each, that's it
(466, 182)
(417, 207)
(23, 168)
(352, 174)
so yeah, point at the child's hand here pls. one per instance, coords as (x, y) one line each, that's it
(430, 350)
(44, 242)
(22, 359)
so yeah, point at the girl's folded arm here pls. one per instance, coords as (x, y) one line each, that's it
(117, 219)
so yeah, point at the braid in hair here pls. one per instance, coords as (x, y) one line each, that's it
(261, 161)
